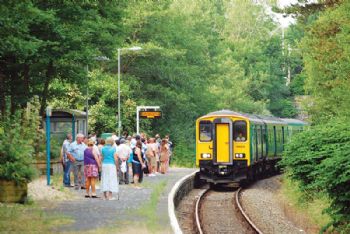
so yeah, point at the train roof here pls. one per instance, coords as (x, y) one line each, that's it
(294, 121)
(256, 118)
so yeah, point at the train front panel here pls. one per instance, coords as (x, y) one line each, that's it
(222, 148)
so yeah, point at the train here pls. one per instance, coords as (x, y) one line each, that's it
(232, 147)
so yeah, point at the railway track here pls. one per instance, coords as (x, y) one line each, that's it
(221, 212)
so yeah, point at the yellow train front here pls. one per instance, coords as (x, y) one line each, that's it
(232, 146)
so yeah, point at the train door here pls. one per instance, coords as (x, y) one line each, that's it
(223, 141)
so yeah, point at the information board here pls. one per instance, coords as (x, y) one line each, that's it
(150, 114)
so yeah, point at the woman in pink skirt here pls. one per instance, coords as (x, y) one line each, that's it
(91, 166)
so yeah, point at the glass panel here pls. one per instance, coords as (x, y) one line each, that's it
(205, 131)
(64, 127)
(240, 131)
(81, 127)
(258, 130)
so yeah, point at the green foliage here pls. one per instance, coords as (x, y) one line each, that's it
(297, 85)
(46, 42)
(318, 159)
(183, 154)
(196, 57)
(283, 108)
(17, 143)
(327, 58)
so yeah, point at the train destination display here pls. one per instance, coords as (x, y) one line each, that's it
(150, 114)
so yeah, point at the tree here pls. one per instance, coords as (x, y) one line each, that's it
(326, 56)
(48, 41)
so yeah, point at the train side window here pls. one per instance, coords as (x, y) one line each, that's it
(205, 131)
(259, 140)
(240, 130)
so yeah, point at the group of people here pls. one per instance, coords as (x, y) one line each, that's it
(112, 161)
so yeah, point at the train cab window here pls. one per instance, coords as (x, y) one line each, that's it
(205, 131)
(240, 131)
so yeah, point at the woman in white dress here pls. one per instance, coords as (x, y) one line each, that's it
(109, 180)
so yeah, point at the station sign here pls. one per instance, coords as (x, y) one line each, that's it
(150, 114)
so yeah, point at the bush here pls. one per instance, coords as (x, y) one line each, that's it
(319, 159)
(183, 155)
(20, 132)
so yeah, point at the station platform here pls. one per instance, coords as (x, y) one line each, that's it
(142, 210)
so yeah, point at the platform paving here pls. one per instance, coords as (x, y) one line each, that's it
(132, 213)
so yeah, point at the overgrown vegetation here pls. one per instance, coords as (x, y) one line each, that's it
(303, 207)
(18, 139)
(318, 158)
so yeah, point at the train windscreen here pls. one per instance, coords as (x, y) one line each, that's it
(240, 130)
(205, 131)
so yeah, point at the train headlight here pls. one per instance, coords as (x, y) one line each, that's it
(239, 155)
(206, 155)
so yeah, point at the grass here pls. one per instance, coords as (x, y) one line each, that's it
(305, 208)
(56, 181)
(149, 210)
(28, 218)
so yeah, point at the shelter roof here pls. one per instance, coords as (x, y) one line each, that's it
(67, 113)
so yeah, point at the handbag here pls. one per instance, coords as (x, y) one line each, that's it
(145, 169)
(123, 167)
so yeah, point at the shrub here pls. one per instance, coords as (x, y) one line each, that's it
(319, 160)
(20, 132)
(183, 155)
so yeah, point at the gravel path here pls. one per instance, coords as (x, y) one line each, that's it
(39, 191)
(96, 214)
(261, 201)
(185, 212)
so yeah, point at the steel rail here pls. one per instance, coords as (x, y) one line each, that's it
(199, 227)
(244, 214)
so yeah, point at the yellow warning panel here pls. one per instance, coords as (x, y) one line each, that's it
(223, 143)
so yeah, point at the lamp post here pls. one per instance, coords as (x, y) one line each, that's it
(87, 100)
(135, 48)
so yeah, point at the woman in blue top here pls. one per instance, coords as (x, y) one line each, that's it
(109, 180)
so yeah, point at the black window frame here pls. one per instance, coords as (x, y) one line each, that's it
(211, 130)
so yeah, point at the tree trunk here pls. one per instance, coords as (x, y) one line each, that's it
(2, 94)
(14, 93)
(49, 74)
(26, 94)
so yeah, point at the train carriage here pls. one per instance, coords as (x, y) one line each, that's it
(232, 146)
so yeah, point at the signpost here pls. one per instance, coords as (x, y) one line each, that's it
(148, 112)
